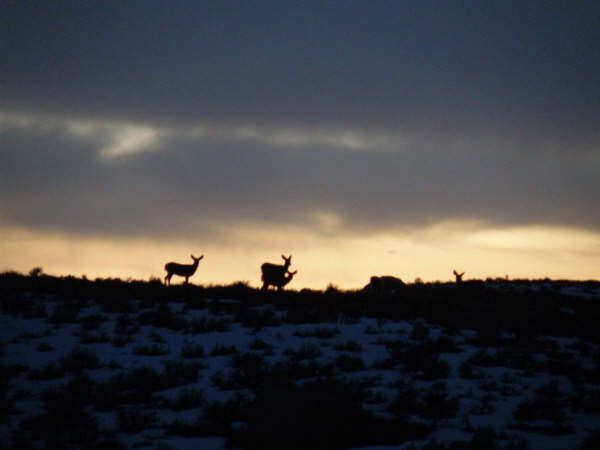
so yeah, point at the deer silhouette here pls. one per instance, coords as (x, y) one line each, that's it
(458, 276)
(471, 286)
(183, 270)
(277, 275)
(287, 277)
(386, 283)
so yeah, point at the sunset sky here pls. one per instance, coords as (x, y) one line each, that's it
(364, 138)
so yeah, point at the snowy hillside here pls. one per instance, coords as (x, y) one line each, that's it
(120, 365)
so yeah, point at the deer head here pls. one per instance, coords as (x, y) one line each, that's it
(288, 277)
(458, 276)
(288, 261)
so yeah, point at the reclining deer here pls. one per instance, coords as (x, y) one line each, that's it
(280, 283)
(468, 284)
(276, 274)
(183, 270)
(458, 276)
(384, 284)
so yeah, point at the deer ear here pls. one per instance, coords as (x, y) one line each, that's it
(192, 256)
(201, 256)
(284, 258)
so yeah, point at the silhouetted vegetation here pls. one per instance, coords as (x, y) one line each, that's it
(317, 415)
(526, 312)
(320, 388)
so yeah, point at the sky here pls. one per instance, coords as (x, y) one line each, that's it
(364, 138)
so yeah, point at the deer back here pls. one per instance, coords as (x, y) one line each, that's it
(180, 269)
(272, 271)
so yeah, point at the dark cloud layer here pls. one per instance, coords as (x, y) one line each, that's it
(495, 66)
(49, 181)
(501, 100)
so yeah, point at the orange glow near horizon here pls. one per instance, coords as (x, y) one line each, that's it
(324, 256)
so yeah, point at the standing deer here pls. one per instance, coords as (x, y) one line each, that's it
(183, 270)
(275, 274)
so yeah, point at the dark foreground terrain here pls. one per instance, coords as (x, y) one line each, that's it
(115, 364)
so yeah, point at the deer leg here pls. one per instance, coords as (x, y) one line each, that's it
(265, 286)
(168, 279)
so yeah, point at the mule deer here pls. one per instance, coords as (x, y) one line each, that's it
(384, 284)
(275, 274)
(279, 283)
(183, 270)
(468, 285)
(458, 276)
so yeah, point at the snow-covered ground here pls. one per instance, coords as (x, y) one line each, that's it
(193, 362)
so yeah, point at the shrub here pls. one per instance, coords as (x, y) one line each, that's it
(191, 350)
(48, 372)
(64, 422)
(94, 338)
(349, 363)
(178, 372)
(349, 346)
(319, 332)
(156, 337)
(162, 317)
(406, 401)
(433, 404)
(138, 385)
(591, 442)
(528, 415)
(187, 398)
(469, 371)
(317, 415)
(257, 320)
(126, 325)
(305, 351)
(484, 439)
(151, 350)
(219, 416)
(586, 400)
(221, 350)
(203, 325)
(121, 340)
(419, 332)
(80, 359)
(429, 368)
(539, 409)
(134, 421)
(436, 405)
(249, 370)
(259, 344)
(444, 344)
(92, 321)
(64, 313)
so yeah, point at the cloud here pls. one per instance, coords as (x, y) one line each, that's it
(116, 139)
(362, 119)
(383, 68)
(122, 138)
(57, 173)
